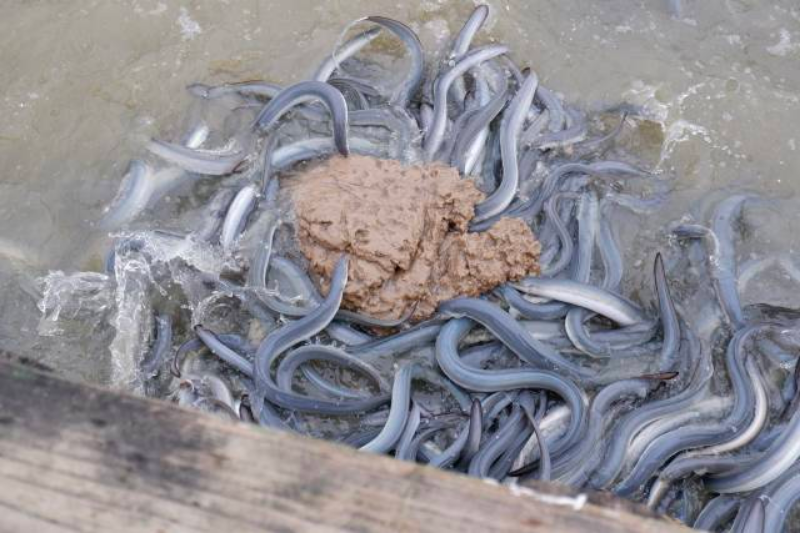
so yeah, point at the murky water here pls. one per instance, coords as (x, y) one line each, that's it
(85, 85)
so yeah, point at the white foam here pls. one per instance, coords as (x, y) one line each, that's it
(680, 131)
(784, 46)
(190, 28)
(132, 321)
(79, 296)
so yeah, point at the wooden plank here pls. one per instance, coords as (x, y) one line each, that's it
(79, 458)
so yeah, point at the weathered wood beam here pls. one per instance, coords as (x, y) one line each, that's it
(80, 458)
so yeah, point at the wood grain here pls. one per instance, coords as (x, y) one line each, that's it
(79, 458)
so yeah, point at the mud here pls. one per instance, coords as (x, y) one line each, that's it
(405, 230)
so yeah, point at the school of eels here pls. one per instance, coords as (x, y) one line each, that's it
(558, 377)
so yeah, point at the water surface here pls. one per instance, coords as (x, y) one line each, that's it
(85, 84)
